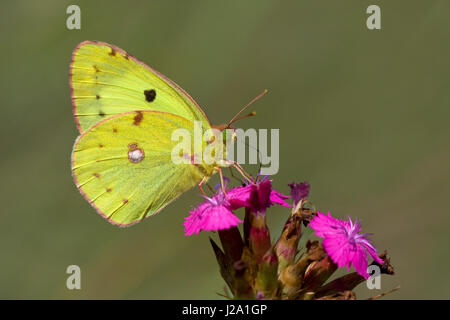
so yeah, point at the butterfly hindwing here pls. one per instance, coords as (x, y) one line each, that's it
(105, 81)
(123, 165)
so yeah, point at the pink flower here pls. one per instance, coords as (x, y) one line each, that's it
(344, 243)
(299, 191)
(216, 213)
(213, 214)
(258, 197)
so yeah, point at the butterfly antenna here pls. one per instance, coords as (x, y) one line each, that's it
(238, 117)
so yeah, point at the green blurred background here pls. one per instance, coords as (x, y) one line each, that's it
(363, 116)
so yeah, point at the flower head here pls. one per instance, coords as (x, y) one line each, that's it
(344, 243)
(299, 191)
(213, 214)
(258, 197)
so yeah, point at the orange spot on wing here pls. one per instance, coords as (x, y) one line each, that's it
(138, 118)
(132, 146)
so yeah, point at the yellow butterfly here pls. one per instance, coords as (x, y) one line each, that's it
(126, 113)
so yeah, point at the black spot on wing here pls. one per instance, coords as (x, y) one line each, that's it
(150, 95)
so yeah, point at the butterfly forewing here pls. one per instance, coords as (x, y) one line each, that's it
(105, 81)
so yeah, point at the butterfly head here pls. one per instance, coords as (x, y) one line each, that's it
(227, 132)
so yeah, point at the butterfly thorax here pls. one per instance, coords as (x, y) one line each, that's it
(215, 149)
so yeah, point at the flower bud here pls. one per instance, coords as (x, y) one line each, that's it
(266, 283)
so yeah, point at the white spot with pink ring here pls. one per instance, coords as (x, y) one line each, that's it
(136, 155)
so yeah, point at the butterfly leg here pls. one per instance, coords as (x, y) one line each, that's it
(200, 185)
(238, 167)
(222, 184)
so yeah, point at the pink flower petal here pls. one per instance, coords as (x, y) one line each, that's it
(299, 191)
(344, 243)
(278, 198)
(257, 197)
(209, 217)
(359, 261)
